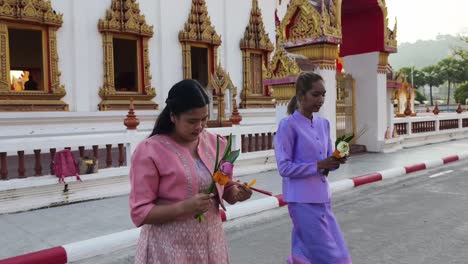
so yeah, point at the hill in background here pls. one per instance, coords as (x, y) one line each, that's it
(423, 53)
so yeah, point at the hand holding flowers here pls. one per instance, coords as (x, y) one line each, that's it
(222, 171)
(339, 156)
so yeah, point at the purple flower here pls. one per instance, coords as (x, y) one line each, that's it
(226, 168)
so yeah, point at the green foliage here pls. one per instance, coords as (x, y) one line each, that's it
(453, 71)
(461, 94)
(432, 77)
(420, 97)
(414, 75)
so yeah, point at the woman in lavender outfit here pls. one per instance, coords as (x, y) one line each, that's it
(304, 152)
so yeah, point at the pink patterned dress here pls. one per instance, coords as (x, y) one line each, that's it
(185, 241)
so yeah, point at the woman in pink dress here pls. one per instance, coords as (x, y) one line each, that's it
(169, 173)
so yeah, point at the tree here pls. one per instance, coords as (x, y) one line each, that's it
(413, 76)
(461, 52)
(420, 97)
(453, 72)
(433, 78)
(461, 94)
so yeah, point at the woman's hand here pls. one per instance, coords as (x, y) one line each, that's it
(198, 204)
(237, 193)
(343, 160)
(330, 163)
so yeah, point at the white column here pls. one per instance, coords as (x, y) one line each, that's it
(281, 111)
(328, 109)
(371, 98)
(390, 110)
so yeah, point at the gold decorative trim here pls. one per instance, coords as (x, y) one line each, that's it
(305, 23)
(390, 36)
(31, 11)
(255, 41)
(282, 65)
(54, 59)
(198, 28)
(255, 36)
(322, 55)
(198, 32)
(220, 82)
(383, 63)
(31, 14)
(283, 93)
(4, 58)
(124, 19)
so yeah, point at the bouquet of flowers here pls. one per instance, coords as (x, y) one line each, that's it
(342, 146)
(222, 169)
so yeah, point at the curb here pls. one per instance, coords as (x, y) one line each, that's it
(107, 244)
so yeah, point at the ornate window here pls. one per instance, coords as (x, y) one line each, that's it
(29, 75)
(200, 43)
(127, 75)
(256, 48)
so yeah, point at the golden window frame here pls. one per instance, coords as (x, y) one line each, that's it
(36, 15)
(255, 41)
(187, 51)
(132, 26)
(198, 32)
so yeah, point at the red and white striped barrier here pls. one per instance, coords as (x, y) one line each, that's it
(110, 243)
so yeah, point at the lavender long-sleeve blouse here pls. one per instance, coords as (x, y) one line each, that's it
(299, 144)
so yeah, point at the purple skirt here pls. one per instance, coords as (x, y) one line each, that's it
(316, 236)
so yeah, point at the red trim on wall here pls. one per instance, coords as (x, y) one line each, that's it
(142, 67)
(212, 61)
(362, 27)
(291, 23)
(49, 62)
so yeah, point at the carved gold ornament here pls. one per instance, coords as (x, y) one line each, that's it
(124, 19)
(256, 47)
(31, 11)
(37, 15)
(390, 36)
(198, 32)
(255, 36)
(282, 65)
(198, 28)
(307, 23)
(220, 82)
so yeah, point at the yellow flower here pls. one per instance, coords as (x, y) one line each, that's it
(220, 178)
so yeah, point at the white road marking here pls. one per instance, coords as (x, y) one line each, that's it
(441, 174)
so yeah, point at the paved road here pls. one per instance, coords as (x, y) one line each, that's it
(418, 220)
(411, 221)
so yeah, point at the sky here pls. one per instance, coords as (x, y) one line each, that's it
(425, 19)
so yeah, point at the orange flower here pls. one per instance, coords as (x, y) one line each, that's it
(220, 178)
(337, 154)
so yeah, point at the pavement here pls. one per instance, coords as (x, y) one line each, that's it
(411, 221)
(421, 218)
(41, 229)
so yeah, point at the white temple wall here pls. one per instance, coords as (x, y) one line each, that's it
(81, 53)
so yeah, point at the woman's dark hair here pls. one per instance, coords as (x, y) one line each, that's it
(304, 83)
(183, 96)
